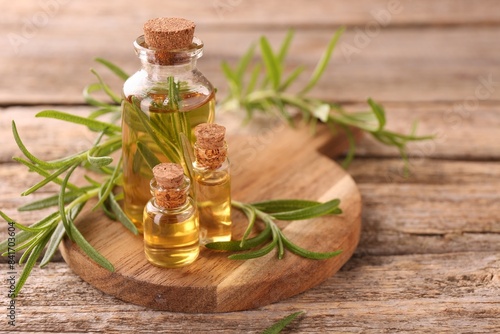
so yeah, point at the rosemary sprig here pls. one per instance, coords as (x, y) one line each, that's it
(272, 96)
(71, 199)
(268, 212)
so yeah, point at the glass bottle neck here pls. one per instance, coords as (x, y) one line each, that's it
(162, 72)
(161, 64)
(180, 208)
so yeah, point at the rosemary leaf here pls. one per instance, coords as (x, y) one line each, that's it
(108, 185)
(27, 228)
(281, 324)
(250, 213)
(272, 65)
(30, 156)
(87, 95)
(309, 212)
(171, 151)
(283, 205)
(115, 69)
(258, 253)
(28, 245)
(243, 64)
(228, 72)
(352, 147)
(99, 161)
(235, 245)
(20, 237)
(52, 200)
(187, 153)
(106, 88)
(254, 77)
(92, 124)
(6, 218)
(51, 177)
(281, 249)
(106, 208)
(34, 255)
(306, 253)
(62, 210)
(285, 46)
(379, 113)
(23, 236)
(122, 217)
(54, 242)
(89, 250)
(323, 62)
(147, 154)
(291, 78)
(104, 111)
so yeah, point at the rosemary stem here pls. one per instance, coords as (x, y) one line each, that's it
(237, 204)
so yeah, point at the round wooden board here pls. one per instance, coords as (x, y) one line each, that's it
(289, 167)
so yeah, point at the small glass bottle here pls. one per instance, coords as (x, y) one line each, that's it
(171, 227)
(170, 95)
(212, 183)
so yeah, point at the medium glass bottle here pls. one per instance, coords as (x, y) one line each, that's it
(171, 227)
(166, 97)
(212, 183)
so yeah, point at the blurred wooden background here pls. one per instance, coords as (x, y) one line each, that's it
(428, 260)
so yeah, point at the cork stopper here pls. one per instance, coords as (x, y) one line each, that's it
(169, 33)
(170, 192)
(210, 148)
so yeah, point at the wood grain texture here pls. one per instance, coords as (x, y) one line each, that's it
(242, 14)
(414, 63)
(438, 119)
(214, 283)
(381, 180)
(437, 293)
(387, 229)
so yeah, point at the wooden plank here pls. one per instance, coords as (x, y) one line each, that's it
(424, 172)
(410, 64)
(449, 122)
(435, 183)
(447, 224)
(449, 206)
(220, 13)
(370, 294)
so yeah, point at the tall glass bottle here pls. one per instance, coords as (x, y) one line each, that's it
(167, 96)
(212, 182)
(171, 228)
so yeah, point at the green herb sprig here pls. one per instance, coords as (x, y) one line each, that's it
(266, 90)
(49, 231)
(267, 212)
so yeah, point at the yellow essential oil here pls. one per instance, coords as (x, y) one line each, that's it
(136, 172)
(212, 183)
(213, 199)
(170, 220)
(170, 239)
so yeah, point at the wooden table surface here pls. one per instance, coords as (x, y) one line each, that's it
(429, 255)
